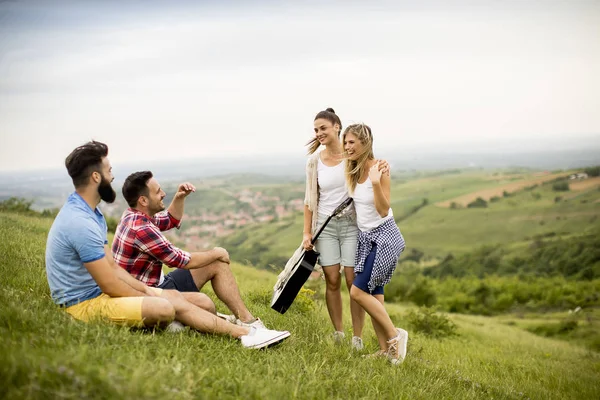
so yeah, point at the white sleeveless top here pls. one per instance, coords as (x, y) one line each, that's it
(367, 217)
(332, 187)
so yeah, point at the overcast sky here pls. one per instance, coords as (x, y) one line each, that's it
(180, 80)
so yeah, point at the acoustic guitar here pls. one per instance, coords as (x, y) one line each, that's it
(288, 286)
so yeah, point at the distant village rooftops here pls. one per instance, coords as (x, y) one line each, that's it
(579, 175)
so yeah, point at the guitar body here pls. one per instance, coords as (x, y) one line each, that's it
(284, 296)
(287, 288)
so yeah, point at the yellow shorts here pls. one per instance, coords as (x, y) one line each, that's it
(119, 310)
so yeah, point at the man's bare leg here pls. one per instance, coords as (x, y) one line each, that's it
(200, 319)
(200, 300)
(157, 311)
(223, 283)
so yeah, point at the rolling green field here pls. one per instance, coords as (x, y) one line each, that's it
(44, 354)
(513, 222)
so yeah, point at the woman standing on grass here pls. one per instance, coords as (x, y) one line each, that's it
(380, 242)
(325, 190)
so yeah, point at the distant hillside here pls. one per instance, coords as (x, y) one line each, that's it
(50, 187)
(512, 221)
(529, 250)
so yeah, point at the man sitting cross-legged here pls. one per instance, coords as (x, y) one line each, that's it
(141, 249)
(85, 281)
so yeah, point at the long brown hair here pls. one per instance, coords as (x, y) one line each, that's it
(355, 168)
(330, 116)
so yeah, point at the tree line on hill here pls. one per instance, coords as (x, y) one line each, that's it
(552, 274)
(575, 258)
(23, 206)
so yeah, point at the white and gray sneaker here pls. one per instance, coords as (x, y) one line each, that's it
(338, 336)
(257, 323)
(403, 342)
(261, 338)
(396, 352)
(357, 343)
(227, 317)
(175, 326)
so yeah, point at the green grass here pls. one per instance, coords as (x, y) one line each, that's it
(409, 193)
(580, 328)
(46, 354)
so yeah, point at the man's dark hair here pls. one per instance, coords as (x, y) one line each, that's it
(136, 185)
(85, 160)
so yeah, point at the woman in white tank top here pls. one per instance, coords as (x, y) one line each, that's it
(380, 242)
(325, 190)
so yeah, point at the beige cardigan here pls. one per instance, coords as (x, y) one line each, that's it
(311, 197)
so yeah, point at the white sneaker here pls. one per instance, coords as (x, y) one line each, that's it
(357, 343)
(260, 338)
(175, 326)
(397, 347)
(257, 323)
(403, 342)
(338, 336)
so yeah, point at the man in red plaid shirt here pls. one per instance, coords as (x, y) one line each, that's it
(140, 247)
(85, 280)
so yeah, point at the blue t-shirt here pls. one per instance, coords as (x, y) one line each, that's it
(77, 236)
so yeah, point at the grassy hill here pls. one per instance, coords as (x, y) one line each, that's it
(46, 354)
(530, 246)
(513, 221)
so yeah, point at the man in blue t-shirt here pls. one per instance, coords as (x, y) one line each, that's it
(85, 280)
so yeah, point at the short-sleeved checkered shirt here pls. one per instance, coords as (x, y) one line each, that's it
(141, 248)
(390, 244)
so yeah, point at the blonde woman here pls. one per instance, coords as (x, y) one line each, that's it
(380, 242)
(325, 190)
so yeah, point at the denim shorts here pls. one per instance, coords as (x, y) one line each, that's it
(337, 242)
(362, 279)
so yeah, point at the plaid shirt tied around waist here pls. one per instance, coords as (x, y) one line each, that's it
(140, 247)
(390, 244)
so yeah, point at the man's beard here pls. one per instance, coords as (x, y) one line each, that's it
(106, 191)
(156, 208)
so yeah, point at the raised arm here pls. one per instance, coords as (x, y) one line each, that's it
(177, 205)
(381, 189)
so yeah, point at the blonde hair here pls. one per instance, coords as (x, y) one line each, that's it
(329, 115)
(355, 168)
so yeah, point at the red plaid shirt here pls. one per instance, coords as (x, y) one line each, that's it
(141, 248)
